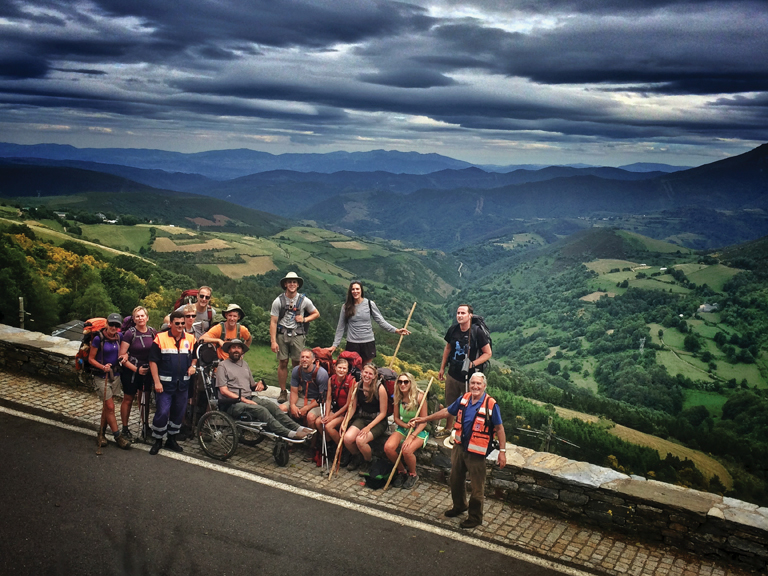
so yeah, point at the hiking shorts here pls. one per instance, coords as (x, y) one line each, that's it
(290, 346)
(453, 389)
(361, 423)
(113, 387)
(132, 382)
(315, 411)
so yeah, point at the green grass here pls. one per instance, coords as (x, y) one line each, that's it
(740, 371)
(653, 284)
(132, 237)
(263, 363)
(713, 276)
(654, 245)
(675, 366)
(713, 401)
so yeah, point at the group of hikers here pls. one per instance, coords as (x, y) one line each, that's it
(349, 406)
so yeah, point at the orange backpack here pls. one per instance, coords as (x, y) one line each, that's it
(91, 327)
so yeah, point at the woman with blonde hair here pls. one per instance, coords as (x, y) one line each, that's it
(407, 400)
(135, 345)
(369, 407)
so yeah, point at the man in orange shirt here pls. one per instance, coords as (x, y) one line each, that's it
(228, 330)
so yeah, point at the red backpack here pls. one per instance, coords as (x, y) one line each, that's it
(190, 297)
(355, 363)
(388, 377)
(324, 359)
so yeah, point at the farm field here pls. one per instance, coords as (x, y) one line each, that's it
(713, 401)
(655, 245)
(605, 265)
(131, 237)
(706, 464)
(713, 276)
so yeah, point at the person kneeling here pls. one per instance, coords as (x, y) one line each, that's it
(235, 384)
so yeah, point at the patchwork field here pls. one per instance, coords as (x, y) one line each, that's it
(595, 296)
(168, 245)
(254, 265)
(605, 265)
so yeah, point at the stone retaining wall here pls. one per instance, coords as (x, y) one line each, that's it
(39, 355)
(707, 524)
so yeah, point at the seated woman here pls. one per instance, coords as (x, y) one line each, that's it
(369, 407)
(407, 399)
(337, 402)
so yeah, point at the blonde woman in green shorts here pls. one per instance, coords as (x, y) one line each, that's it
(407, 400)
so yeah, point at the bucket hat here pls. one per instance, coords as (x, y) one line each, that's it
(232, 308)
(229, 343)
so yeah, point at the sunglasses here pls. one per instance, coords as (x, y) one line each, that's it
(403, 381)
(203, 297)
(115, 325)
(178, 323)
(189, 315)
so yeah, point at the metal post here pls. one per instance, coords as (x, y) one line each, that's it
(21, 312)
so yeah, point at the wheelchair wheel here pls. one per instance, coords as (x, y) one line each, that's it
(217, 435)
(280, 452)
(250, 437)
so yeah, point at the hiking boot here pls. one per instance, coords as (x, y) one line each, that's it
(365, 467)
(469, 523)
(156, 446)
(283, 397)
(410, 482)
(453, 512)
(345, 457)
(442, 434)
(399, 479)
(103, 441)
(127, 433)
(171, 444)
(354, 462)
(122, 441)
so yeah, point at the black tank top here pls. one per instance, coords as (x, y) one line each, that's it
(368, 409)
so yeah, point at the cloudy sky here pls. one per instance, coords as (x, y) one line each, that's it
(488, 81)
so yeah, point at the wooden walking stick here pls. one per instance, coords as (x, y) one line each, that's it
(392, 362)
(342, 431)
(399, 456)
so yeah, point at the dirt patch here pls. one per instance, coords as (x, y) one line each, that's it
(168, 245)
(218, 220)
(254, 266)
(349, 245)
(172, 229)
(595, 296)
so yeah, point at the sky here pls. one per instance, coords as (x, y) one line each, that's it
(608, 82)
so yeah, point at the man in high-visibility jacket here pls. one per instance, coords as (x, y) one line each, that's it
(171, 362)
(477, 420)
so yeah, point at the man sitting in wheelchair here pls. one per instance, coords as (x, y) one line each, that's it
(235, 385)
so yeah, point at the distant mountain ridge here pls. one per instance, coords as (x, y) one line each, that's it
(229, 164)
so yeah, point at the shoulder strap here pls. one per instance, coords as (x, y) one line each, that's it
(283, 302)
(370, 307)
(238, 331)
(210, 316)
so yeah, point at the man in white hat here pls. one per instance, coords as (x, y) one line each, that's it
(290, 314)
(228, 330)
(236, 385)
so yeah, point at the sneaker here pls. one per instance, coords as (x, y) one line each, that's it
(399, 479)
(354, 462)
(283, 397)
(365, 467)
(127, 433)
(410, 482)
(171, 444)
(156, 446)
(122, 441)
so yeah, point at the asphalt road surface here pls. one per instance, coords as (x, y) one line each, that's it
(64, 510)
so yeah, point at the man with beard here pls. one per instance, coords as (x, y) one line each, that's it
(236, 385)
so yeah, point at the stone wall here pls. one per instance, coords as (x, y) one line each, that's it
(704, 523)
(39, 355)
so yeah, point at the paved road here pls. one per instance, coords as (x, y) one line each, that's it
(65, 510)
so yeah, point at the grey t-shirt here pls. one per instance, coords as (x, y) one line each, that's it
(358, 326)
(236, 376)
(201, 324)
(289, 321)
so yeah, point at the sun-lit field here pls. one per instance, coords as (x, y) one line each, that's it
(595, 296)
(131, 237)
(254, 265)
(168, 245)
(605, 265)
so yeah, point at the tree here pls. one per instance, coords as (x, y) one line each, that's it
(553, 368)
(691, 343)
(92, 302)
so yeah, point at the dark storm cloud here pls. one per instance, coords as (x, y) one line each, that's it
(18, 66)
(610, 7)
(410, 78)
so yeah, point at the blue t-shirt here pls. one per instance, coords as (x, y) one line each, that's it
(469, 416)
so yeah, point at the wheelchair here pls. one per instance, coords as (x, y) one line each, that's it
(217, 432)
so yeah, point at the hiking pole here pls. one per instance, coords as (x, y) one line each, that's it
(324, 449)
(400, 455)
(103, 415)
(342, 431)
(392, 362)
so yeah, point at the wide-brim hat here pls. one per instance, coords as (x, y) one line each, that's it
(232, 308)
(292, 276)
(229, 343)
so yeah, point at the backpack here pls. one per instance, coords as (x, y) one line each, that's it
(127, 323)
(324, 358)
(388, 377)
(296, 310)
(478, 325)
(378, 474)
(190, 297)
(336, 402)
(224, 331)
(91, 328)
(355, 363)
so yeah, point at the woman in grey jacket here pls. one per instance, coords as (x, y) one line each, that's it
(355, 318)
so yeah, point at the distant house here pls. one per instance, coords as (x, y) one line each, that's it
(707, 308)
(662, 269)
(61, 214)
(102, 216)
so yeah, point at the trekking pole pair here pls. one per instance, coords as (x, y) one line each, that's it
(402, 446)
(324, 449)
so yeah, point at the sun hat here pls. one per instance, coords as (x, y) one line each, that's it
(292, 276)
(232, 308)
(229, 343)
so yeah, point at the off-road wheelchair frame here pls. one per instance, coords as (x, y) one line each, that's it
(217, 432)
